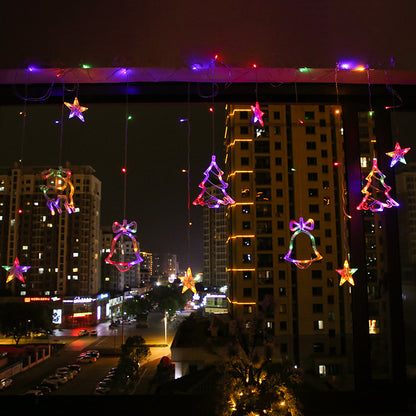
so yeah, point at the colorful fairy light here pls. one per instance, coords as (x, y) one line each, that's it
(188, 281)
(397, 154)
(370, 200)
(76, 109)
(297, 228)
(58, 182)
(120, 230)
(346, 274)
(258, 114)
(16, 271)
(206, 198)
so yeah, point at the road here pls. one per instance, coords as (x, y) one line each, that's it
(86, 381)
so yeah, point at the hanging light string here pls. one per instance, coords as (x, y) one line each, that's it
(61, 126)
(189, 173)
(125, 149)
(24, 114)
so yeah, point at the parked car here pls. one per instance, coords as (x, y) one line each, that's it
(43, 388)
(58, 379)
(5, 382)
(94, 353)
(84, 358)
(93, 333)
(64, 371)
(83, 333)
(33, 393)
(102, 391)
(50, 384)
(75, 367)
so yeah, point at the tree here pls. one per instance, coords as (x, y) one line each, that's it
(168, 299)
(18, 319)
(133, 351)
(251, 382)
(137, 306)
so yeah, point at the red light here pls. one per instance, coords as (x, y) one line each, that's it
(20, 211)
(124, 170)
(336, 163)
(211, 109)
(254, 65)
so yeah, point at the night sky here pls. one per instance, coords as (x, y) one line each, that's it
(165, 33)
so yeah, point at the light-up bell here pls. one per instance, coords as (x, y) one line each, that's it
(213, 177)
(298, 228)
(58, 183)
(122, 230)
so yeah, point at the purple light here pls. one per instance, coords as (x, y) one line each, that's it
(196, 66)
(31, 68)
(345, 66)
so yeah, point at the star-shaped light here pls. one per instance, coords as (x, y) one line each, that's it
(346, 274)
(397, 154)
(258, 114)
(188, 281)
(76, 109)
(16, 271)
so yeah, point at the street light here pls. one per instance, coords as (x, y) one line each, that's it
(165, 319)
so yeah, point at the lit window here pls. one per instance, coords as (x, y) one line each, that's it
(373, 327)
(41, 270)
(75, 254)
(363, 161)
(75, 269)
(322, 370)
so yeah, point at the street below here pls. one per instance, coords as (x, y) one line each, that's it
(158, 335)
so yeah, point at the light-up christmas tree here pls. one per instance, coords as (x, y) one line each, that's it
(213, 178)
(376, 192)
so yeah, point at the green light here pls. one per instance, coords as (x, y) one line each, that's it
(304, 69)
(371, 113)
(86, 66)
(129, 117)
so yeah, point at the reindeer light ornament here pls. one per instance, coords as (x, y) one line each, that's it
(58, 188)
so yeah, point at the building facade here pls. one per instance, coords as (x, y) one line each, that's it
(214, 245)
(278, 173)
(61, 249)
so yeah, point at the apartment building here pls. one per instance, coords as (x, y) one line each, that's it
(62, 249)
(288, 169)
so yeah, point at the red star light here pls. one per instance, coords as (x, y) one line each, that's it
(258, 114)
(398, 154)
(346, 274)
(76, 109)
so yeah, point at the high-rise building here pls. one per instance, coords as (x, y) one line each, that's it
(281, 172)
(62, 250)
(214, 245)
(164, 264)
(114, 280)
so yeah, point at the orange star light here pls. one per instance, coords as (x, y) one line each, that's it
(188, 281)
(76, 109)
(346, 274)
